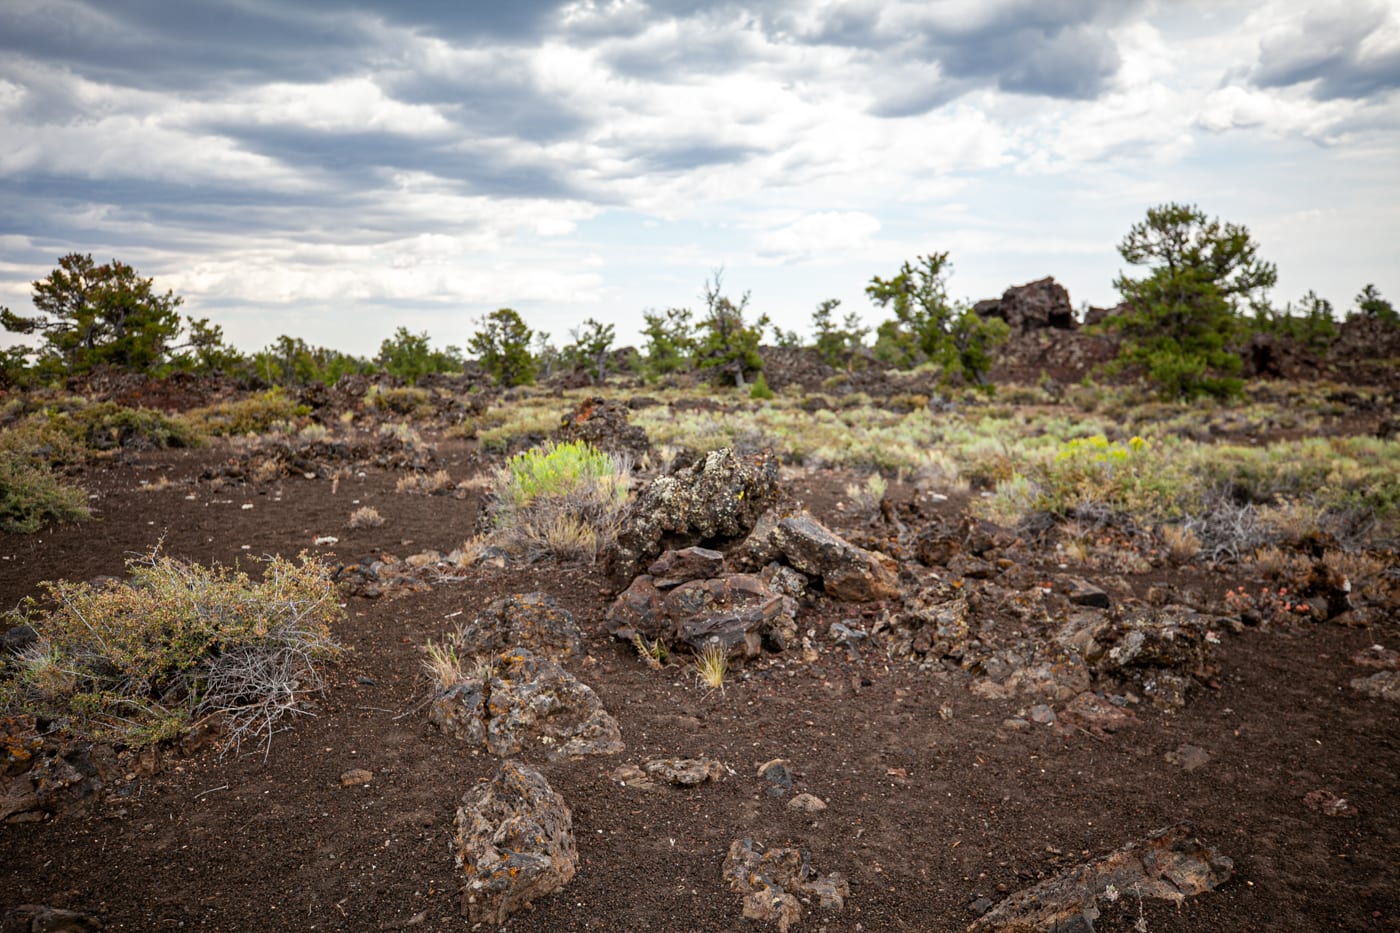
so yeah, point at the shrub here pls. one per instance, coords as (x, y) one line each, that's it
(365, 517)
(759, 390)
(109, 426)
(563, 500)
(253, 415)
(436, 483)
(405, 400)
(139, 661)
(31, 494)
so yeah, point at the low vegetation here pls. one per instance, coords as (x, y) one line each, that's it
(561, 500)
(141, 660)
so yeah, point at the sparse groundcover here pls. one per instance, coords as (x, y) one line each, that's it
(31, 494)
(139, 661)
(561, 500)
(109, 426)
(252, 415)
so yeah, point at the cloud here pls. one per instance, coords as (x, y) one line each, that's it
(1343, 50)
(815, 235)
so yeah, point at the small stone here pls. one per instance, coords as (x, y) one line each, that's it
(778, 774)
(807, 803)
(356, 776)
(1328, 804)
(1189, 757)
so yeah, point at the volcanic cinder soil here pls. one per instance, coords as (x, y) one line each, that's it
(943, 795)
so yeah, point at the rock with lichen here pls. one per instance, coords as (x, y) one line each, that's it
(710, 503)
(514, 841)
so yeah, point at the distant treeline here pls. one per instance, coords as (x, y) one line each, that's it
(1203, 292)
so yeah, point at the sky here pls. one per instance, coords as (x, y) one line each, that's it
(335, 170)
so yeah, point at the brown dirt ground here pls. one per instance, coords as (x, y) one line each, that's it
(926, 814)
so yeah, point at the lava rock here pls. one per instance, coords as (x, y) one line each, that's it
(514, 841)
(715, 500)
(533, 621)
(1171, 864)
(524, 701)
(773, 883)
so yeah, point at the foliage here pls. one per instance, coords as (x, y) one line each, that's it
(205, 351)
(91, 315)
(140, 660)
(502, 347)
(837, 345)
(290, 361)
(400, 400)
(670, 341)
(252, 415)
(592, 348)
(787, 339)
(927, 327)
(563, 500)
(411, 357)
(1312, 324)
(31, 495)
(759, 390)
(1182, 317)
(109, 426)
(1369, 303)
(728, 345)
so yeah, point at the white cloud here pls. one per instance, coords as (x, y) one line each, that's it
(815, 235)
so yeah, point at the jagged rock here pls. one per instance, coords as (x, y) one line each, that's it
(846, 570)
(684, 772)
(605, 424)
(514, 840)
(524, 701)
(1383, 685)
(37, 918)
(785, 580)
(737, 611)
(1188, 757)
(679, 772)
(528, 620)
(1378, 656)
(716, 500)
(771, 884)
(1037, 670)
(673, 568)
(1036, 305)
(1083, 593)
(1143, 642)
(1094, 715)
(1170, 864)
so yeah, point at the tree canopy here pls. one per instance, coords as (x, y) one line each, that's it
(1183, 315)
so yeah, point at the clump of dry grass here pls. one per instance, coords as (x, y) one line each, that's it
(711, 666)
(425, 484)
(365, 516)
(1181, 544)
